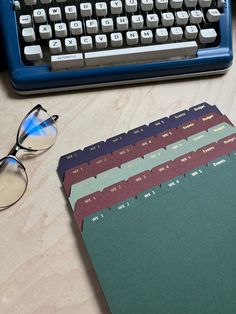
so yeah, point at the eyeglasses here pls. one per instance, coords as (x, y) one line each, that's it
(37, 132)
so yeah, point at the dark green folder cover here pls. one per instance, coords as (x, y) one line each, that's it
(173, 249)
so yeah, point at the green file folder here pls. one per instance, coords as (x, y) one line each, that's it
(173, 249)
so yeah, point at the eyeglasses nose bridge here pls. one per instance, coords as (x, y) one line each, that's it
(15, 150)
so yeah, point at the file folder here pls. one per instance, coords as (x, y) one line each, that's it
(171, 250)
(91, 152)
(156, 208)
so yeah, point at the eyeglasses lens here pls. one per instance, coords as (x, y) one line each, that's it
(38, 131)
(13, 181)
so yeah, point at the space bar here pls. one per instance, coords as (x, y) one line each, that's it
(143, 53)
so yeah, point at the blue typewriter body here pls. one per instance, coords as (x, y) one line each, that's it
(28, 79)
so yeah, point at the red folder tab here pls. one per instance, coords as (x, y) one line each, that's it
(164, 172)
(187, 162)
(214, 118)
(141, 182)
(147, 145)
(209, 152)
(125, 154)
(76, 174)
(101, 164)
(87, 205)
(190, 128)
(116, 193)
(168, 137)
(228, 143)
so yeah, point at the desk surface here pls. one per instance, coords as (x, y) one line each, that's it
(44, 268)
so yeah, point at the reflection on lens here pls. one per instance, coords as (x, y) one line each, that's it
(38, 131)
(13, 181)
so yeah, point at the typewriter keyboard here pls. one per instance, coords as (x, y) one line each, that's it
(68, 34)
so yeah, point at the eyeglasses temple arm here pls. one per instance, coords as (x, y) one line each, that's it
(55, 117)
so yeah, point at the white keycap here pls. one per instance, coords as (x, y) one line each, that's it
(116, 40)
(207, 36)
(17, 5)
(28, 35)
(71, 45)
(30, 2)
(190, 3)
(76, 28)
(101, 8)
(45, 1)
(137, 21)
(161, 35)
(176, 4)
(167, 19)
(45, 31)
(107, 25)
(92, 26)
(146, 5)
(101, 41)
(196, 17)
(176, 33)
(131, 6)
(86, 42)
(39, 16)
(204, 3)
(25, 21)
(132, 38)
(191, 32)
(86, 9)
(55, 46)
(55, 14)
(152, 20)
(182, 17)
(116, 7)
(213, 15)
(134, 54)
(33, 53)
(71, 12)
(69, 61)
(146, 37)
(122, 23)
(220, 3)
(161, 4)
(60, 30)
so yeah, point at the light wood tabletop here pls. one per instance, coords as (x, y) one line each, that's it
(44, 268)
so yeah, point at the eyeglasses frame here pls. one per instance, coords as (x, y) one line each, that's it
(17, 147)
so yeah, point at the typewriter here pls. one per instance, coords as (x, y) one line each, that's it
(53, 45)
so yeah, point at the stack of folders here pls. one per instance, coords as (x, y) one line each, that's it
(156, 208)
